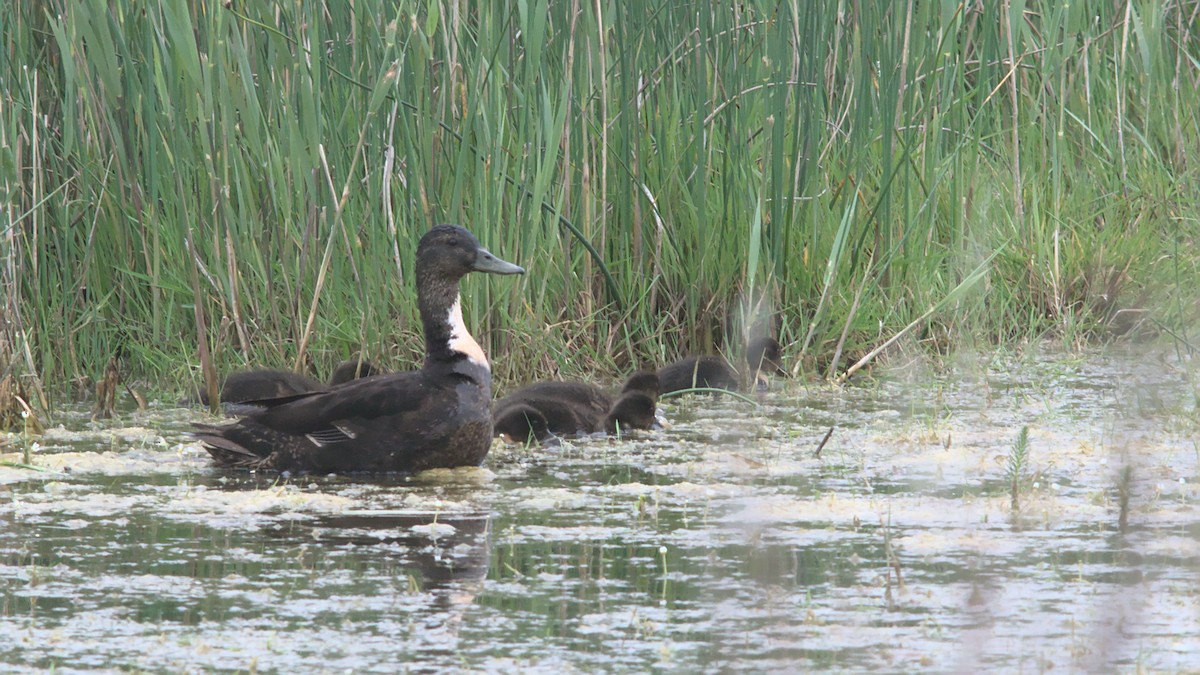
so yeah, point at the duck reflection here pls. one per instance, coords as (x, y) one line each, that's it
(446, 550)
(446, 556)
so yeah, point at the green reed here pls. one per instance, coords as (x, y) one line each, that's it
(672, 178)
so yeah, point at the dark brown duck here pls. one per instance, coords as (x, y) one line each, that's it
(438, 416)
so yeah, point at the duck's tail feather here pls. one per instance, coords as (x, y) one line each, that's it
(241, 409)
(223, 450)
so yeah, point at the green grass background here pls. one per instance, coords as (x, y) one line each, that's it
(673, 176)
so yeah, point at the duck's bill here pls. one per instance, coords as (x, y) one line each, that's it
(486, 262)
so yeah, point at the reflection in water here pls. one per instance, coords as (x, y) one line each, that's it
(447, 554)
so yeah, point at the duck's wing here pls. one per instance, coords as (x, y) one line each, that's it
(257, 405)
(283, 435)
(338, 414)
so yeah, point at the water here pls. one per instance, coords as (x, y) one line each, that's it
(719, 544)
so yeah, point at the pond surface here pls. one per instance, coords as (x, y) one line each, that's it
(720, 544)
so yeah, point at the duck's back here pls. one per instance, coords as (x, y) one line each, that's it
(568, 407)
(698, 372)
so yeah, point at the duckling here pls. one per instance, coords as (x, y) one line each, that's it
(434, 417)
(635, 408)
(693, 372)
(713, 372)
(631, 411)
(352, 369)
(262, 383)
(545, 410)
(765, 356)
(519, 422)
(643, 381)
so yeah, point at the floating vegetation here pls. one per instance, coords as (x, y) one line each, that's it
(722, 543)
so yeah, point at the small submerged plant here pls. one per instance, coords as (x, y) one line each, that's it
(106, 389)
(1017, 458)
(30, 427)
(1124, 488)
(666, 581)
(893, 564)
(30, 448)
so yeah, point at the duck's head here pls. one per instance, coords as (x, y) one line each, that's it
(633, 410)
(522, 423)
(450, 252)
(444, 255)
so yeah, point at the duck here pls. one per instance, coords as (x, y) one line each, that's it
(435, 417)
(263, 383)
(248, 386)
(353, 369)
(763, 356)
(636, 407)
(546, 410)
